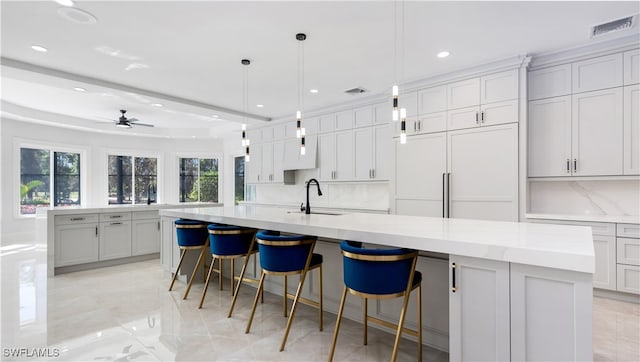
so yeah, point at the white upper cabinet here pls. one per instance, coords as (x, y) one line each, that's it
(267, 134)
(344, 150)
(344, 120)
(278, 162)
(279, 131)
(499, 113)
(463, 94)
(409, 101)
(550, 82)
(463, 118)
(327, 156)
(254, 135)
(267, 162)
(382, 112)
(597, 73)
(363, 117)
(549, 137)
(310, 126)
(597, 129)
(499, 87)
(326, 123)
(290, 129)
(363, 143)
(381, 152)
(254, 166)
(432, 122)
(432, 100)
(631, 130)
(632, 67)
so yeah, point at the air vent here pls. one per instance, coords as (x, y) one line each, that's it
(356, 90)
(612, 26)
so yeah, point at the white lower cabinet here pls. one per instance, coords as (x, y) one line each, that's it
(169, 247)
(76, 243)
(551, 314)
(478, 310)
(628, 278)
(115, 240)
(501, 311)
(604, 248)
(145, 235)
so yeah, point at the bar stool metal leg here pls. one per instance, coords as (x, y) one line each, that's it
(337, 329)
(403, 313)
(365, 316)
(255, 302)
(320, 295)
(195, 269)
(294, 305)
(420, 322)
(175, 275)
(284, 298)
(244, 269)
(206, 283)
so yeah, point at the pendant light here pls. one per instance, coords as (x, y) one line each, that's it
(300, 132)
(394, 88)
(245, 102)
(403, 125)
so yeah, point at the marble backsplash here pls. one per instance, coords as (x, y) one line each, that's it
(616, 198)
(372, 195)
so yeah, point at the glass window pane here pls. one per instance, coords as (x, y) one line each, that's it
(66, 179)
(188, 175)
(239, 178)
(119, 179)
(146, 173)
(208, 180)
(34, 180)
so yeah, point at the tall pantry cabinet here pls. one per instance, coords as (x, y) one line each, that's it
(468, 166)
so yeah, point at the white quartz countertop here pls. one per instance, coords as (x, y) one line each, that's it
(554, 246)
(621, 219)
(118, 208)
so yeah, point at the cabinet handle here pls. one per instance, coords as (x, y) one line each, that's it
(453, 277)
(115, 216)
(116, 223)
(76, 218)
(158, 225)
(373, 172)
(96, 231)
(477, 118)
(448, 194)
(443, 198)
(575, 165)
(419, 125)
(414, 126)
(568, 167)
(482, 117)
(369, 173)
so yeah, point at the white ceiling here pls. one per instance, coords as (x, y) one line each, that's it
(186, 55)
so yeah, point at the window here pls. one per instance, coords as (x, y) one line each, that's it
(38, 183)
(198, 179)
(132, 180)
(239, 178)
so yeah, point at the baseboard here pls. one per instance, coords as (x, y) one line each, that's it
(621, 296)
(106, 263)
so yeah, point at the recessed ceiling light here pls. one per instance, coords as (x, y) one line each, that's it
(79, 89)
(193, 136)
(156, 105)
(313, 91)
(259, 105)
(215, 116)
(77, 16)
(39, 48)
(65, 2)
(443, 54)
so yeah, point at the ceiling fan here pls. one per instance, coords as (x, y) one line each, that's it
(124, 122)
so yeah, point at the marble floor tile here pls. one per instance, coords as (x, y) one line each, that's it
(125, 313)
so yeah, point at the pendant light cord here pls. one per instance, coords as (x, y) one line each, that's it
(395, 42)
(402, 44)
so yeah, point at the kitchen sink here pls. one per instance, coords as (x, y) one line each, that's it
(315, 213)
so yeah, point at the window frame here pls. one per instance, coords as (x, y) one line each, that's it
(199, 156)
(52, 147)
(139, 154)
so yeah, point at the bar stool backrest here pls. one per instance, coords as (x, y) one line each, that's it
(377, 271)
(191, 232)
(283, 253)
(227, 240)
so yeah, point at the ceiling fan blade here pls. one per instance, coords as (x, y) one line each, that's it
(142, 124)
(133, 120)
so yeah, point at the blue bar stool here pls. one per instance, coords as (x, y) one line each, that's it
(192, 235)
(380, 274)
(229, 242)
(288, 255)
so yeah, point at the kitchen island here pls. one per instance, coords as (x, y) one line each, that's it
(516, 291)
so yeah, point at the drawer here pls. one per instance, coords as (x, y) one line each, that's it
(628, 278)
(76, 219)
(145, 215)
(115, 216)
(628, 251)
(598, 228)
(628, 230)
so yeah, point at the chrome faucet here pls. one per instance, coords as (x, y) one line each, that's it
(307, 209)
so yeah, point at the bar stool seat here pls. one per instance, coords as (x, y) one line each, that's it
(229, 242)
(190, 235)
(288, 255)
(380, 274)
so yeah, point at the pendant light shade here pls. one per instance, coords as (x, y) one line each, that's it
(403, 125)
(300, 132)
(245, 102)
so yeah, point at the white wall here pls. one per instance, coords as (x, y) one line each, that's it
(609, 197)
(95, 147)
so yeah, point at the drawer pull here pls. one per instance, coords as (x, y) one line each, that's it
(116, 223)
(115, 216)
(453, 277)
(76, 218)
